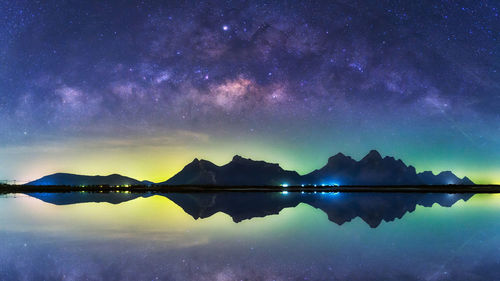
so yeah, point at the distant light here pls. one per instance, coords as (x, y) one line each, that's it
(284, 192)
(302, 185)
(302, 192)
(225, 27)
(284, 184)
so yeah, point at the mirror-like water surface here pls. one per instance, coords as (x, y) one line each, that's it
(250, 236)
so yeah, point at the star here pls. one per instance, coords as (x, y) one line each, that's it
(317, 75)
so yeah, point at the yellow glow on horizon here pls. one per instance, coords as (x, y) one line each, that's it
(151, 218)
(154, 163)
(159, 158)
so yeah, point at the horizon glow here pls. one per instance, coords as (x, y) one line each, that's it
(140, 89)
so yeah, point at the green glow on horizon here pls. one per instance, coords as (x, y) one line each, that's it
(158, 162)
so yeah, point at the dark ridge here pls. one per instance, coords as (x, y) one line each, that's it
(75, 180)
(371, 170)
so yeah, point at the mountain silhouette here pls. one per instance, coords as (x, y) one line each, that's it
(372, 208)
(239, 171)
(76, 180)
(148, 183)
(446, 177)
(371, 170)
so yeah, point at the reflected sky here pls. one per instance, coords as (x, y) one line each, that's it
(154, 237)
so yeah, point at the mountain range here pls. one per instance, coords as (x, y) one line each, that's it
(371, 170)
(76, 180)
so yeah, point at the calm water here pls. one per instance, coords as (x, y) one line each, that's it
(249, 236)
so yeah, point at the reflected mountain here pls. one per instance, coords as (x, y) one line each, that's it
(373, 208)
(69, 198)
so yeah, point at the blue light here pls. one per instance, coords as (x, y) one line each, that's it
(284, 192)
(284, 184)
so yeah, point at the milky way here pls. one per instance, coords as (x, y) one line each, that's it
(86, 86)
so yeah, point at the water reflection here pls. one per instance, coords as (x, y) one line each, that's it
(161, 237)
(373, 208)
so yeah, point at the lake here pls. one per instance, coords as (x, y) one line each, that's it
(249, 236)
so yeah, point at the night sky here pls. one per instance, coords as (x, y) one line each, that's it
(141, 88)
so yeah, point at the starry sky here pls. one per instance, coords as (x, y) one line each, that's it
(142, 87)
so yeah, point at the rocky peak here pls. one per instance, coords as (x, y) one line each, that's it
(373, 155)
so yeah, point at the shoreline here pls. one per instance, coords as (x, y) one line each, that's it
(5, 189)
